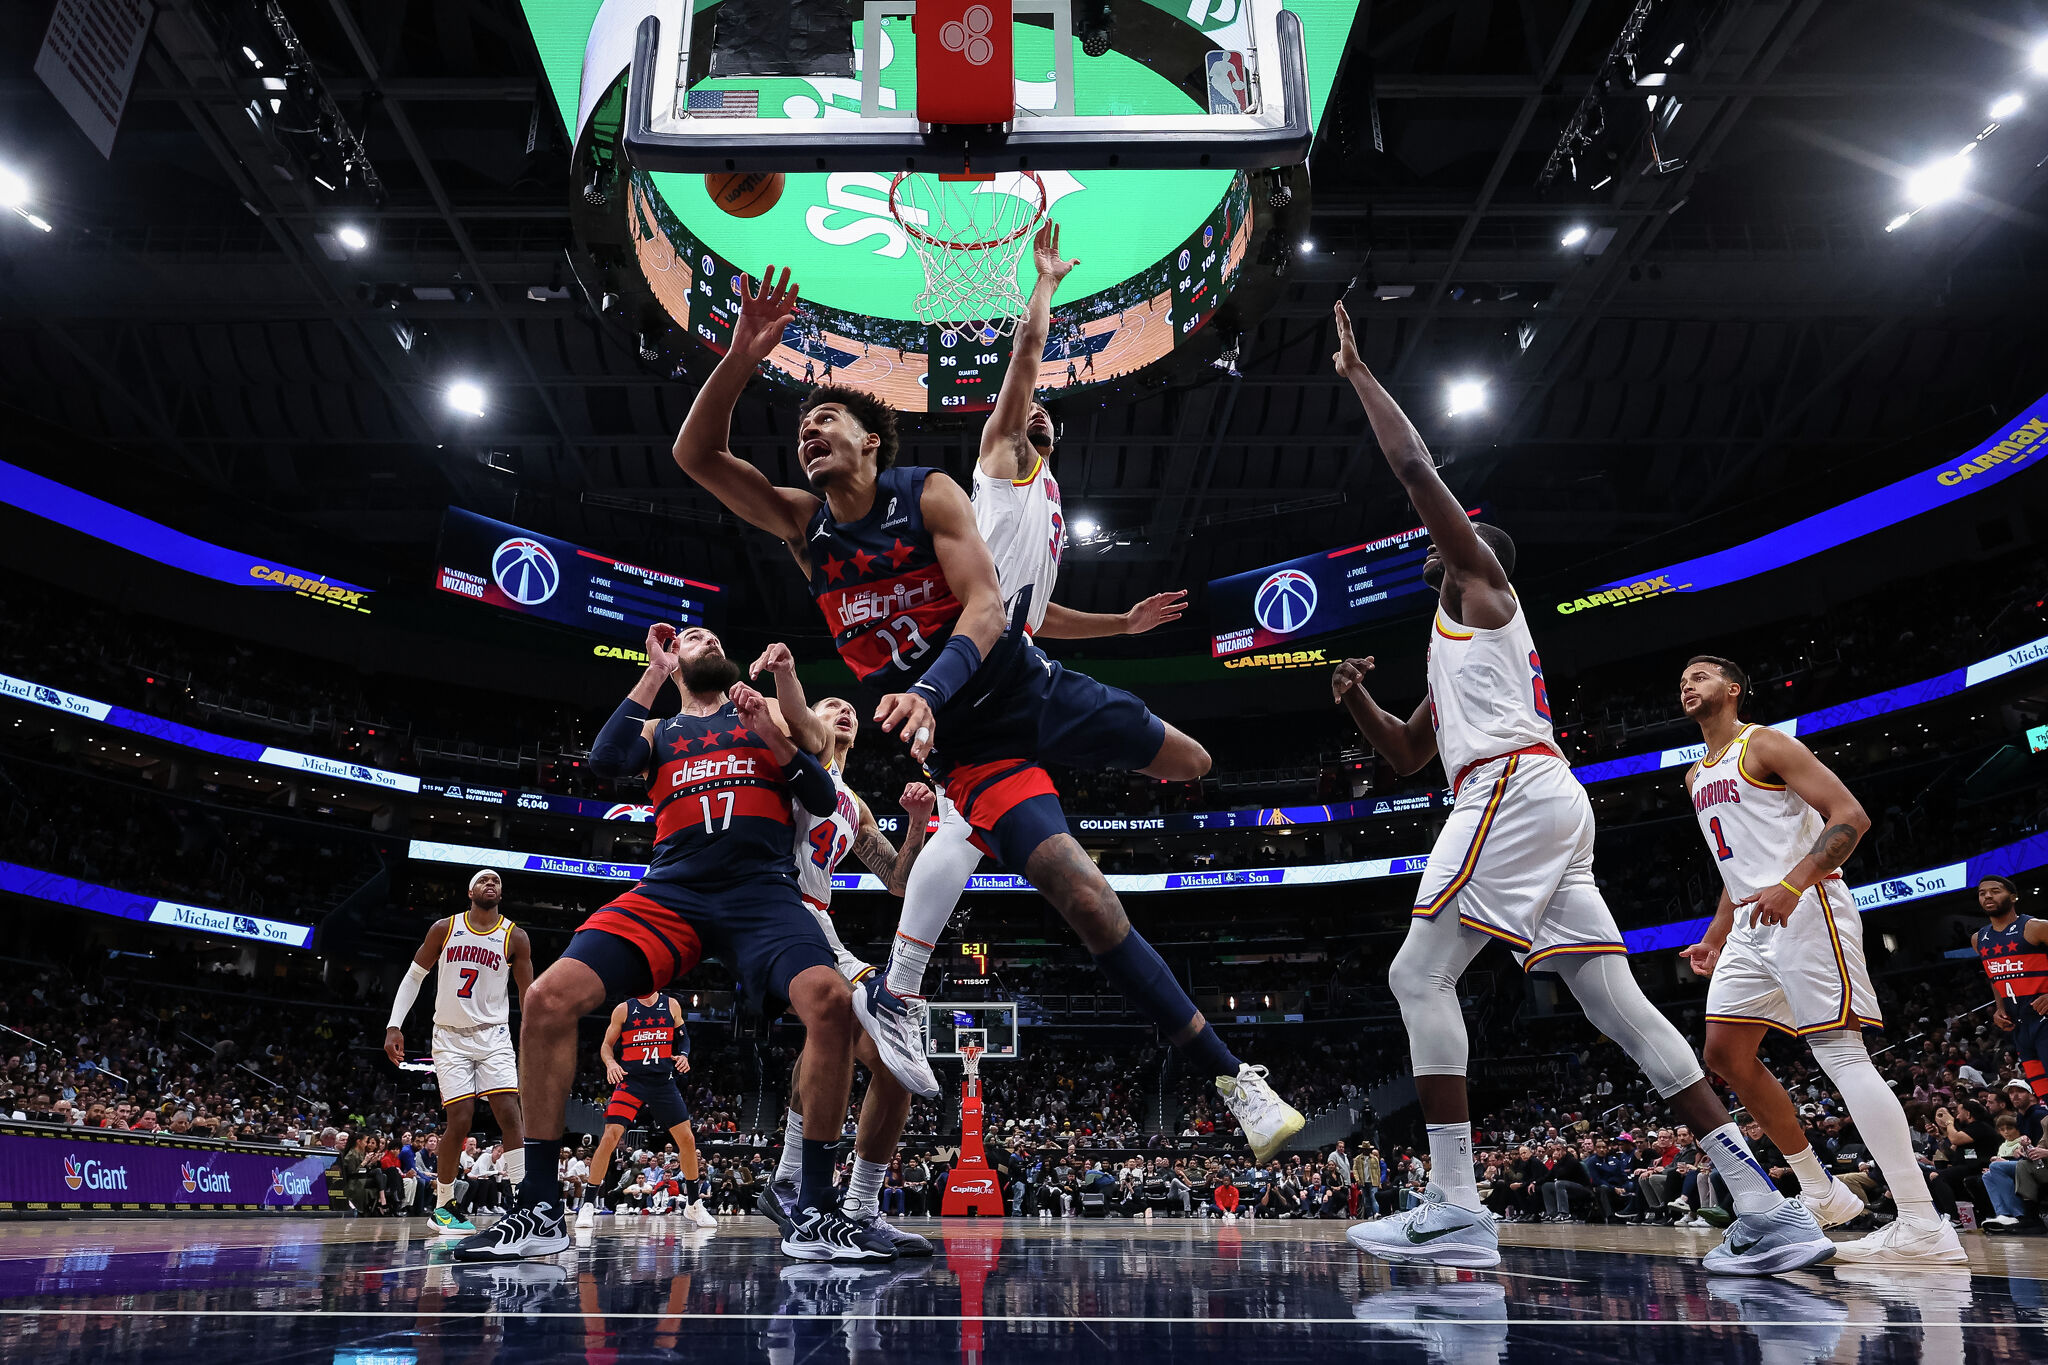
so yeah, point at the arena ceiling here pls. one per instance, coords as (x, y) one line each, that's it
(1737, 324)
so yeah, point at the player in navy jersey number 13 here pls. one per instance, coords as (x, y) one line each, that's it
(722, 777)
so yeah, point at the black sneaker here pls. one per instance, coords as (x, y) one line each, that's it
(535, 1231)
(901, 1242)
(829, 1235)
(775, 1202)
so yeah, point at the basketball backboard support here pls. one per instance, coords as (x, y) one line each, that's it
(1237, 109)
(987, 1024)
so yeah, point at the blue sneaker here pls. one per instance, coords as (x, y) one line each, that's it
(1786, 1238)
(897, 1024)
(777, 1203)
(905, 1243)
(1436, 1231)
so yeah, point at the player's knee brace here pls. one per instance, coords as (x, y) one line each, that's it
(1424, 978)
(1616, 1005)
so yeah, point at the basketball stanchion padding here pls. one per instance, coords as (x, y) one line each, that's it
(971, 1186)
(966, 63)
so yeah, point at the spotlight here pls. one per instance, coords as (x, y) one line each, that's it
(595, 190)
(1895, 224)
(607, 301)
(14, 190)
(1467, 395)
(2005, 106)
(1308, 244)
(2038, 59)
(1085, 529)
(1096, 24)
(250, 53)
(1574, 236)
(466, 398)
(352, 237)
(648, 352)
(1279, 193)
(1940, 180)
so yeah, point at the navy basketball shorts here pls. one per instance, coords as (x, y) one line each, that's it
(2030, 1042)
(759, 929)
(989, 757)
(647, 1099)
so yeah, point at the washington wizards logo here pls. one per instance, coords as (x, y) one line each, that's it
(1285, 601)
(526, 571)
(629, 812)
(73, 1176)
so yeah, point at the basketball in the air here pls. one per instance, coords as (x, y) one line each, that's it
(745, 194)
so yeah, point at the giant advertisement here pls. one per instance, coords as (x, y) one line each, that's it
(40, 1170)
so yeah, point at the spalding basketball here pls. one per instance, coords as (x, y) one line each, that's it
(745, 194)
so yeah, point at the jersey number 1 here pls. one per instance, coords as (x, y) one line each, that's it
(1721, 849)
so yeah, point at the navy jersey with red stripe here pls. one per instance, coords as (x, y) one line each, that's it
(650, 1039)
(721, 804)
(2015, 967)
(878, 582)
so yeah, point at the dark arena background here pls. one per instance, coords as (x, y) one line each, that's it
(344, 347)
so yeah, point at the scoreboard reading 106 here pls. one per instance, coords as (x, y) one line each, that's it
(968, 365)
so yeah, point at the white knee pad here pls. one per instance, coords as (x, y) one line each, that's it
(1616, 1005)
(1424, 979)
(1839, 1049)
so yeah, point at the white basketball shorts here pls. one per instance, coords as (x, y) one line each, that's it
(475, 1061)
(850, 967)
(1515, 861)
(1806, 975)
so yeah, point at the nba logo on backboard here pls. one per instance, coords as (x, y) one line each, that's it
(1226, 83)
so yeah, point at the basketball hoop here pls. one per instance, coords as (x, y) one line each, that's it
(969, 232)
(970, 1057)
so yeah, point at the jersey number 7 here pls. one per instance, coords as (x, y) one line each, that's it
(469, 976)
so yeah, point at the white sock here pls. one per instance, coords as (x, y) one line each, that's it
(864, 1185)
(1813, 1177)
(937, 880)
(1879, 1118)
(790, 1168)
(1747, 1181)
(513, 1168)
(444, 1195)
(1450, 1164)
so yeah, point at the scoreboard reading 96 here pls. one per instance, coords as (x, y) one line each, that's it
(968, 365)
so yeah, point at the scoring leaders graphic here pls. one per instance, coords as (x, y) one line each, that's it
(1319, 593)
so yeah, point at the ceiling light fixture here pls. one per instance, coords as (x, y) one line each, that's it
(1939, 180)
(466, 397)
(1467, 395)
(352, 237)
(1574, 236)
(2005, 106)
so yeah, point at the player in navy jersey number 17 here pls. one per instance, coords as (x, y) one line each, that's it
(722, 777)
(909, 591)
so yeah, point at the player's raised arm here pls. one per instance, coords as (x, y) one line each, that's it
(1407, 744)
(626, 742)
(808, 781)
(1063, 624)
(805, 727)
(703, 446)
(971, 574)
(884, 859)
(1006, 452)
(614, 1074)
(1482, 583)
(409, 989)
(1842, 818)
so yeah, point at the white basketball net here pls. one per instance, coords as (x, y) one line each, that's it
(970, 1057)
(969, 235)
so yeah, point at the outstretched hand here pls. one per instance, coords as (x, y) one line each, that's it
(1349, 674)
(908, 716)
(764, 312)
(775, 659)
(917, 802)
(1156, 610)
(1346, 358)
(1045, 253)
(662, 652)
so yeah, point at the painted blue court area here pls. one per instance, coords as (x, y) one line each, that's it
(369, 1292)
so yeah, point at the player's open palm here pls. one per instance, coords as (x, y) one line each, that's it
(764, 313)
(1349, 674)
(1045, 253)
(1346, 358)
(1156, 610)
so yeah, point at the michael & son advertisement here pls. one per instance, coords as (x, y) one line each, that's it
(110, 1171)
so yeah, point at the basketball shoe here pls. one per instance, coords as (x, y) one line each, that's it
(1790, 1323)
(829, 1235)
(897, 1024)
(1267, 1119)
(1836, 1205)
(535, 1231)
(777, 1203)
(699, 1216)
(1436, 1231)
(1906, 1241)
(1786, 1238)
(448, 1223)
(904, 1243)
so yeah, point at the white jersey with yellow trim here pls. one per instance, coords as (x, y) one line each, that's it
(1020, 519)
(822, 840)
(1486, 694)
(475, 975)
(1756, 830)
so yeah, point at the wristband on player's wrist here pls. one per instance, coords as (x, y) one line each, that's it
(956, 664)
(1786, 882)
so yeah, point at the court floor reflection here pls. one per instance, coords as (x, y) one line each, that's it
(367, 1292)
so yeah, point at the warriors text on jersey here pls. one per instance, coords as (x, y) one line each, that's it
(1486, 694)
(721, 804)
(650, 1039)
(2016, 967)
(821, 841)
(475, 971)
(878, 582)
(1757, 830)
(1020, 519)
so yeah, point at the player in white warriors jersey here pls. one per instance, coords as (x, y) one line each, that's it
(479, 957)
(1785, 952)
(822, 841)
(1017, 510)
(1514, 862)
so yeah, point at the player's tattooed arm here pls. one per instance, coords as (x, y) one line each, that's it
(878, 855)
(1407, 744)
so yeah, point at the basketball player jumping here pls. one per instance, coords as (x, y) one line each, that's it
(1514, 862)
(910, 593)
(653, 1048)
(1785, 952)
(1017, 511)
(480, 955)
(2014, 950)
(722, 777)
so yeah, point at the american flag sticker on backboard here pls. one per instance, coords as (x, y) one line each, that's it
(724, 104)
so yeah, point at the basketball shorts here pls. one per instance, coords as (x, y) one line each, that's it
(850, 967)
(758, 929)
(2030, 1042)
(647, 1100)
(987, 755)
(1806, 975)
(475, 1061)
(1515, 862)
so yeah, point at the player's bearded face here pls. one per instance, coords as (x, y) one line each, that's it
(1038, 429)
(709, 671)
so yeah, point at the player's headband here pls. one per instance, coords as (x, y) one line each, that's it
(476, 877)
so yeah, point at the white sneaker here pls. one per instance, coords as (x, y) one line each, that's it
(897, 1024)
(1267, 1120)
(1836, 1205)
(586, 1218)
(1906, 1241)
(1786, 1238)
(1435, 1230)
(697, 1214)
